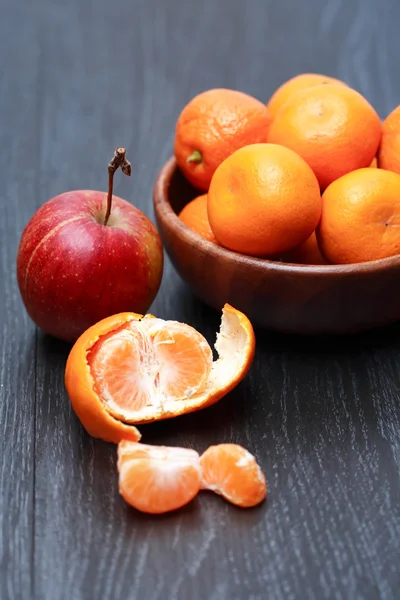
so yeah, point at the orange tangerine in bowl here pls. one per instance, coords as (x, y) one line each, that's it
(307, 253)
(389, 151)
(264, 199)
(361, 217)
(214, 124)
(334, 128)
(296, 84)
(195, 216)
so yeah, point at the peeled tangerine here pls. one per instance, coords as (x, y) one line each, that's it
(129, 369)
(158, 479)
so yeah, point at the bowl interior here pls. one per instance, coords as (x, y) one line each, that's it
(180, 191)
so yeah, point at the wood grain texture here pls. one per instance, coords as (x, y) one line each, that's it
(19, 133)
(322, 418)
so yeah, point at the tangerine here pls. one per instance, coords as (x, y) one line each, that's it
(361, 217)
(307, 253)
(195, 216)
(263, 199)
(296, 84)
(214, 124)
(332, 127)
(389, 151)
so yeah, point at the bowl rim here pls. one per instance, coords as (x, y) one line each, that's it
(160, 197)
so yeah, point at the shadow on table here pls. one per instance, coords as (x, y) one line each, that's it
(198, 510)
(388, 336)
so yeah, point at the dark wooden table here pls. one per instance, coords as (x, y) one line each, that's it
(322, 416)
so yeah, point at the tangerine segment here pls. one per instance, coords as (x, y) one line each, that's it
(185, 359)
(108, 397)
(157, 479)
(115, 366)
(79, 383)
(231, 471)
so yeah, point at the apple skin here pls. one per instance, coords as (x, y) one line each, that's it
(73, 271)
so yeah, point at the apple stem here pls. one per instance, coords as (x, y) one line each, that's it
(117, 161)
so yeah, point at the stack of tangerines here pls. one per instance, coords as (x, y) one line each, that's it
(312, 177)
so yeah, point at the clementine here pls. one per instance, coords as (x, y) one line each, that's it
(332, 127)
(128, 369)
(389, 151)
(307, 253)
(296, 84)
(374, 163)
(361, 217)
(263, 199)
(195, 216)
(212, 126)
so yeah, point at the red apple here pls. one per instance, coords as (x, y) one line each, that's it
(78, 262)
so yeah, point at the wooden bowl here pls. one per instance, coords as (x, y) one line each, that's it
(284, 297)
